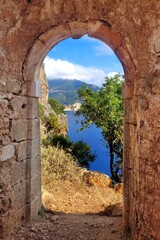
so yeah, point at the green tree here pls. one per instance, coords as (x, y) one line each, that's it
(56, 106)
(105, 109)
(59, 140)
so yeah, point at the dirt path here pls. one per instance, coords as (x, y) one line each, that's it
(76, 211)
(60, 226)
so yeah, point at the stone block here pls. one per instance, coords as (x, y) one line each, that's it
(33, 208)
(122, 53)
(102, 32)
(18, 172)
(93, 27)
(55, 35)
(33, 187)
(35, 147)
(11, 86)
(20, 130)
(32, 87)
(25, 129)
(19, 195)
(34, 129)
(25, 107)
(7, 152)
(36, 185)
(127, 130)
(33, 60)
(22, 150)
(28, 149)
(78, 29)
(128, 112)
(127, 90)
(34, 166)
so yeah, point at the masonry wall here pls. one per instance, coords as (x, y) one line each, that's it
(137, 24)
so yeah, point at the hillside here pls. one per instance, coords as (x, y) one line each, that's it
(65, 91)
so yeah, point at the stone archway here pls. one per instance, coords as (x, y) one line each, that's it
(29, 30)
(75, 29)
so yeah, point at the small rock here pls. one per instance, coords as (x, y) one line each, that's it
(118, 210)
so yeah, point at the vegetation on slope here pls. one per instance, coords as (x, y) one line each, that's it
(56, 106)
(49, 116)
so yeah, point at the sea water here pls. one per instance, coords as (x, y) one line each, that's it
(93, 137)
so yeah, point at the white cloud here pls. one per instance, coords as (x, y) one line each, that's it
(60, 69)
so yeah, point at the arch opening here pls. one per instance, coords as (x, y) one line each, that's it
(94, 29)
(91, 136)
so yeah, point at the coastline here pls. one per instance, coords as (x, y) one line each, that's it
(72, 107)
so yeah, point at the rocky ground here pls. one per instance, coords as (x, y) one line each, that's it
(89, 211)
(73, 197)
(60, 226)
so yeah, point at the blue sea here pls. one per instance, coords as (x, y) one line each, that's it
(93, 137)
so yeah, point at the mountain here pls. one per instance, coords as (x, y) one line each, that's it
(65, 91)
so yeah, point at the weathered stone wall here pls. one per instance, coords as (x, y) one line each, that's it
(28, 30)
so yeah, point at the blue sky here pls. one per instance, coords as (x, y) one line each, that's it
(85, 59)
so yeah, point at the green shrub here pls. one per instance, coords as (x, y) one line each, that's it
(63, 142)
(82, 153)
(46, 142)
(52, 123)
(79, 150)
(56, 106)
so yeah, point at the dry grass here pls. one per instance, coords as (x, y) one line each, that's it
(59, 172)
(58, 165)
(63, 188)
